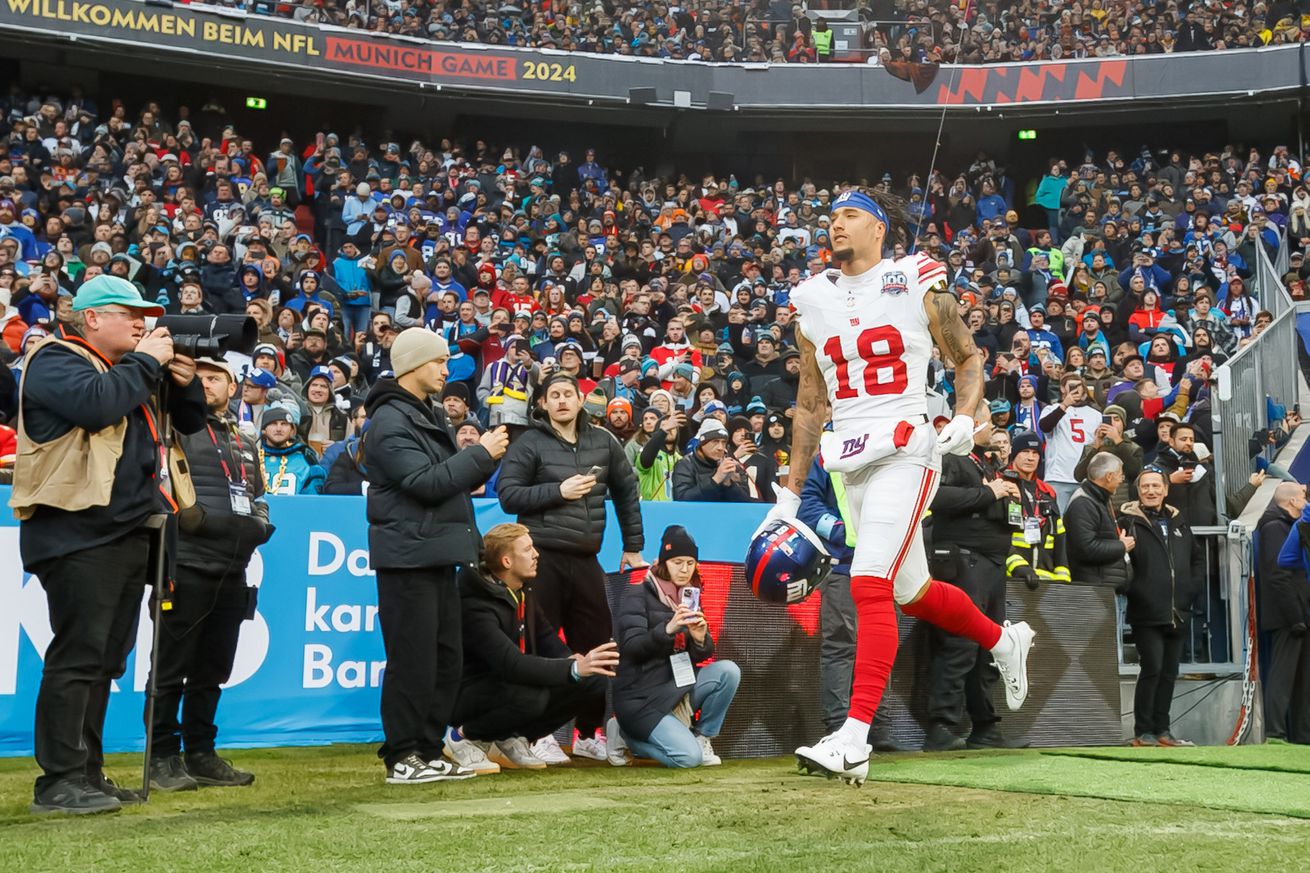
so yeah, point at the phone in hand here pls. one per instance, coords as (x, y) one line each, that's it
(595, 471)
(691, 598)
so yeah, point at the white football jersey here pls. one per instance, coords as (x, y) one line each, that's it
(871, 338)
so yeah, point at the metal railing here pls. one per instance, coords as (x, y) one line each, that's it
(1264, 370)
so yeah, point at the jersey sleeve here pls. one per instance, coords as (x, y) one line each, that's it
(930, 271)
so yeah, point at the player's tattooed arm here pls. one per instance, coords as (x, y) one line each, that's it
(955, 340)
(811, 415)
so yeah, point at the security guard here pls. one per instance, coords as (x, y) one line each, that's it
(1037, 543)
(971, 537)
(210, 599)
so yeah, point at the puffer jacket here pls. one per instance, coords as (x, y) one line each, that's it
(530, 476)
(1166, 571)
(213, 537)
(419, 512)
(1096, 556)
(644, 690)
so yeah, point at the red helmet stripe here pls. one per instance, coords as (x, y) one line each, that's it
(764, 561)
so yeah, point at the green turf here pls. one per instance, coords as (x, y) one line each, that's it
(1275, 757)
(326, 809)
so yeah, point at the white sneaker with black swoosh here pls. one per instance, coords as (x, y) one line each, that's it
(1010, 655)
(836, 758)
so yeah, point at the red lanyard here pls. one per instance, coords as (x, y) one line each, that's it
(519, 600)
(237, 455)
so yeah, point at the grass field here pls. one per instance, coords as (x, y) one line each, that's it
(327, 809)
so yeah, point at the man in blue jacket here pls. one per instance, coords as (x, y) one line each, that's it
(823, 499)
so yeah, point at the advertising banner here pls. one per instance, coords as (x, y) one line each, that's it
(228, 38)
(309, 667)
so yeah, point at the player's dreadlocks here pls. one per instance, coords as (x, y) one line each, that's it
(899, 231)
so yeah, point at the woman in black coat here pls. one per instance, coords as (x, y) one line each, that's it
(662, 636)
(1165, 570)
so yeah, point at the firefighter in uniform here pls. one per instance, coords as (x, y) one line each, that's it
(1038, 552)
(971, 540)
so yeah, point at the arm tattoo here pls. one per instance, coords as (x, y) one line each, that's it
(956, 342)
(811, 415)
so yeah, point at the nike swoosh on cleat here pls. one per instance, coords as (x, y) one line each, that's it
(847, 763)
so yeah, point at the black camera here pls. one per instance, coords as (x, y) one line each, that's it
(209, 336)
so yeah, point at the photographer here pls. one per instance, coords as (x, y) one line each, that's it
(971, 523)
(198, 637)
(520, 681)
(662, 636)
(1166, 574)
(421, 532)
(709, 474)
(555, 478)
(87, 480)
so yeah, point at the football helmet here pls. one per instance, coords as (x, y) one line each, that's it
(786, 561)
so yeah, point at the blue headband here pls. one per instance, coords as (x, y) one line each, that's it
(860, 200)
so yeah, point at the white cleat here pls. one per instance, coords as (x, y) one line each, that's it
(1013, 665)
(834, 758)
(547, 749)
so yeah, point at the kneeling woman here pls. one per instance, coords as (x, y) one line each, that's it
(658, 689)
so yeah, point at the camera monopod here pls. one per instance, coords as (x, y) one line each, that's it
(157, 567)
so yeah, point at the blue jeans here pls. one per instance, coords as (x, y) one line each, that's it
(671, 743)
(356, 318)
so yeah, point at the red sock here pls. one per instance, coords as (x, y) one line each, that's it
(951, 610)
(875, 643)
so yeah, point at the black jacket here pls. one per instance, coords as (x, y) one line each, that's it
(644, 690)
(1166, 573)
(693, 479)
(1284, 592)
(61, 391)
(966, 512)
(530, 476)
(213, 537)
(1096, 556)
(491, 638)
(419, 510)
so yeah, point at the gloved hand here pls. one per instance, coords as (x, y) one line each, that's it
(957, 437)
(1028, 575)
(789, 503)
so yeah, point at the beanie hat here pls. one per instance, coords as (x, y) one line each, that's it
(620, 403)
(1023, 441)
(273, 414)
(1115, 409)
(414, 347)
(677, 543)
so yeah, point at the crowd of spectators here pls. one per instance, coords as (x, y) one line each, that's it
(666, 298)
(783, 32)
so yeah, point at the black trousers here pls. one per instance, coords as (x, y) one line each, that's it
(1287, 687)
(421, 632)
(962, 675)
(838, 624)
(489, 709)
(570, 590)
(197, 645)
(1159, 649)
(94, 600)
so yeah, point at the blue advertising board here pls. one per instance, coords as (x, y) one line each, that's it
(309, 666)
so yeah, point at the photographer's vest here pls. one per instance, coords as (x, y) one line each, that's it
(73, 471)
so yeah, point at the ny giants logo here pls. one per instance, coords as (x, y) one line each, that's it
(852, 447)
(895, 284)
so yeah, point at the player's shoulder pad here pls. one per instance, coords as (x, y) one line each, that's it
(818, 284)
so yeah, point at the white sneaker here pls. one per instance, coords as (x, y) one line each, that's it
(514, 754)
(616, 748)
(469, 755)
(590, 747)
(413, 770)
(833, 757)
(1013, 665)
(547, 749)
(707, 756)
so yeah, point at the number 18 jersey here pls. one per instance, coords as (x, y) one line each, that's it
(871, 338)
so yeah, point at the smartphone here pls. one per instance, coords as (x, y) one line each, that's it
(595, 471)
(691, 598)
